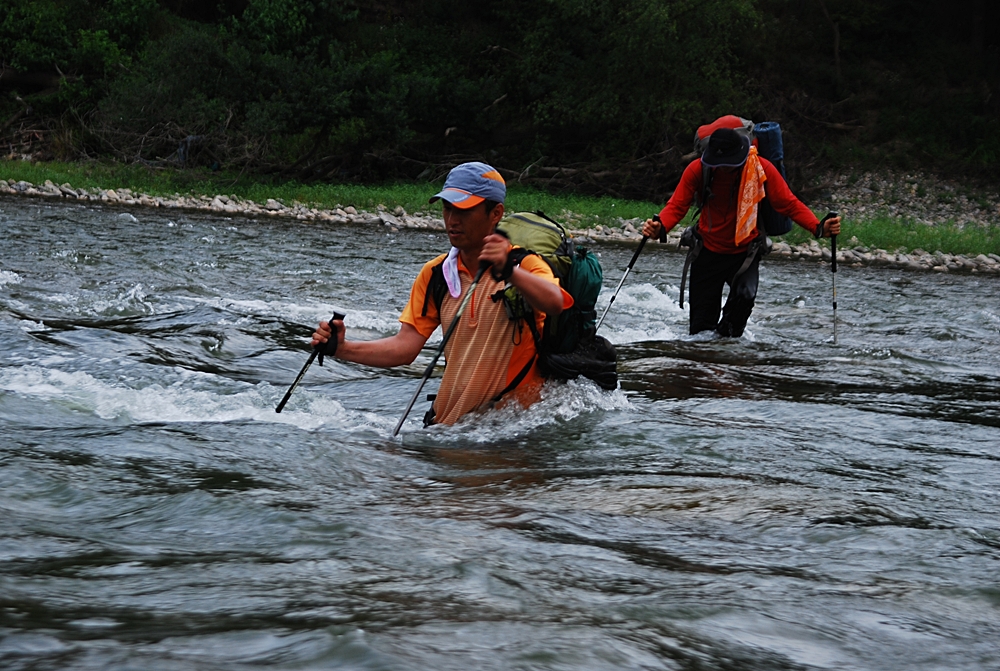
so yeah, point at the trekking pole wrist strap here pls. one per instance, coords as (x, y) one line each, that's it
(508, 269)
(662, 237)
(514, 257)
(821, 227)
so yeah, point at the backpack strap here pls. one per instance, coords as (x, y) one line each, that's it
(437, 287)
(703, 195)
(431, 412)
(517, 379)
(521, 310)
(761, 246)
(692, 240)
(519, 254)
(705, 192)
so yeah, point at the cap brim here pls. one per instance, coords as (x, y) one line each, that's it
(463, 200)
(724, 161)
(733, 159)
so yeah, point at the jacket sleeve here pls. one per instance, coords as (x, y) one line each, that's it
(784, 201)
(683, 196)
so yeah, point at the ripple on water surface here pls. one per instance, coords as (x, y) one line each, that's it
(777, 501)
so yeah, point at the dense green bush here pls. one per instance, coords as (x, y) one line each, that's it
(618, 78)
(596, 95)
(907, 83)
(74, 46)
(261, 88)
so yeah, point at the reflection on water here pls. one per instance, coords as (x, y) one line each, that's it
(773, 502)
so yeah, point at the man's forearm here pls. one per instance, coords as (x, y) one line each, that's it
(397, 350)
(541, 295)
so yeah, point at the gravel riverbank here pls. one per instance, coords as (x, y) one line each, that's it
(923, 200)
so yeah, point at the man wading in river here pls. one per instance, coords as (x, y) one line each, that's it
(489, 355)
(730, 242)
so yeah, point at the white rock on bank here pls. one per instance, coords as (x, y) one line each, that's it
(626, 231)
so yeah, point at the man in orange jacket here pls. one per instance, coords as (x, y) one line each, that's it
(728, 229)
(485, 358)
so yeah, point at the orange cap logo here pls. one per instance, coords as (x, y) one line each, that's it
(494, 175)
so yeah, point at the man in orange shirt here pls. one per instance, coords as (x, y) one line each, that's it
(489, 355)
(727, 227)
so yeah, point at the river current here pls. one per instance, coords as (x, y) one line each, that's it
(777, 501)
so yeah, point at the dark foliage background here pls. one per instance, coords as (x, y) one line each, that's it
(598, 96)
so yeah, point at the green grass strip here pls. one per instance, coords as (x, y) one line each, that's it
(577, 211)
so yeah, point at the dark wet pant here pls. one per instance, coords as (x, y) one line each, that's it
(709, 273)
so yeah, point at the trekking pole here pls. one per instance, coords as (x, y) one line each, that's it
(483, 265)
(833, 267)
(316, 350)
(631, 263)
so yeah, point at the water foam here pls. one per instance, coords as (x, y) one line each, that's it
(129, 301)
(560, 403)
(81, 392)
(642, 312)
(9, 277)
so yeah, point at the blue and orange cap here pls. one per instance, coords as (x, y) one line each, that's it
(471, 183)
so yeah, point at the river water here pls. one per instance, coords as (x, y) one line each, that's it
(772, 502)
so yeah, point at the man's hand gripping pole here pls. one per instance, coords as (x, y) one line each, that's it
(323, 349)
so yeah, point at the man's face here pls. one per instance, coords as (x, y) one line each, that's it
(467, 228)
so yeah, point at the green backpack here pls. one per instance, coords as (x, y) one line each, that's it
(568, 346)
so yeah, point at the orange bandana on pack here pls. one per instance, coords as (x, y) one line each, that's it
(751, 193)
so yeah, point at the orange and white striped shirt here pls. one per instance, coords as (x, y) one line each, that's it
(485, 352)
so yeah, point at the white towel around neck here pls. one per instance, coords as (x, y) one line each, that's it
(450, 269)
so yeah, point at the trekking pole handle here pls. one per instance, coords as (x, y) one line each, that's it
(833, 239)
(833, 268)
(483, 267)
(317, 350)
